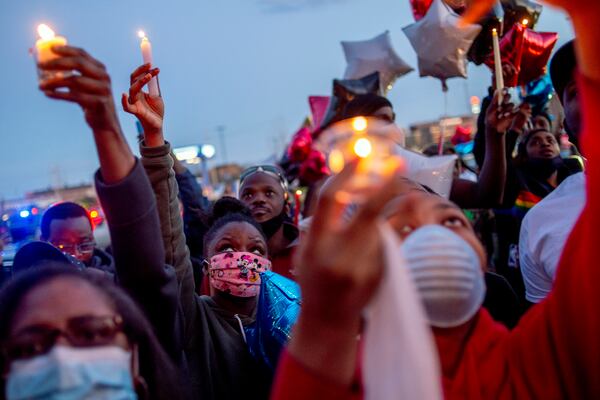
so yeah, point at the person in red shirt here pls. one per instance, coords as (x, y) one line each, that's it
(553, 353)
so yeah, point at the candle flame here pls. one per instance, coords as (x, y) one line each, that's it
(142, 34)
(45, 32)
(359, 124)
(298, 192)
(363, 148)
(495, 31)
(525, 21)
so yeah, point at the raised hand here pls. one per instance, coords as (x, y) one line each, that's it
(149, 110)
(499, 118)
(339, 267)
(89, 86)
(522, 118)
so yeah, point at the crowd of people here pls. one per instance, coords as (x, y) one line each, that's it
(163, 313)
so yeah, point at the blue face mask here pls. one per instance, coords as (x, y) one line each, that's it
(68, 373)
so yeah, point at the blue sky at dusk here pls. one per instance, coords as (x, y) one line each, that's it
(248, 65)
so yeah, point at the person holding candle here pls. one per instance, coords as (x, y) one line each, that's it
(552, 354)
(234, 253)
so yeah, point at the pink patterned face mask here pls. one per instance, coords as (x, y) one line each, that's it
(237, 273)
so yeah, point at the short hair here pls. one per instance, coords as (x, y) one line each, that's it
(160, 374)
(63, 210)
(225, 211)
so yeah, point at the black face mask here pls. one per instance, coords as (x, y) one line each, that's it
(543, 168)
(271, 226)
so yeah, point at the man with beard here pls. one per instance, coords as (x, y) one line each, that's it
(264, 190)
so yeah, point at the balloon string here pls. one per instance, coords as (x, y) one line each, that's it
(443, 125)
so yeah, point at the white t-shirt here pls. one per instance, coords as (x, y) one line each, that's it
(544, 233)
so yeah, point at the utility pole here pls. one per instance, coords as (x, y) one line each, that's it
(221, 133)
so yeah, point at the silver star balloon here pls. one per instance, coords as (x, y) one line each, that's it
(440, 43)
(375, 55)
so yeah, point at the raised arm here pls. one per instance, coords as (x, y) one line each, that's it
(158, 163)
(125, 194)
(489, 190)
(561, 333)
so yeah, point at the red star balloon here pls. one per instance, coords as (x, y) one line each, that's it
(420, 8)
(528, 51)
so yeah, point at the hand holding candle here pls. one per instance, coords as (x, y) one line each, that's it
(146, 47)
(43, 50)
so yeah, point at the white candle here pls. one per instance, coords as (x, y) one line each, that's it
(146, 47)
(498, 65)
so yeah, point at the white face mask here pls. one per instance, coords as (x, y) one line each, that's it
(447, 273)
(69, 373)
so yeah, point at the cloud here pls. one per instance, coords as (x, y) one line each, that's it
(284, 6)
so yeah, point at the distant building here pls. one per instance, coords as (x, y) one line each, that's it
(424, 134)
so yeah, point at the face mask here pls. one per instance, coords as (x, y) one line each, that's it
(542, 168)
(271, 226)
(237, 273)
(447, 273)
(67, 373)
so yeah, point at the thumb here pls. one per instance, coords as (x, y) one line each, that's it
(125, 103)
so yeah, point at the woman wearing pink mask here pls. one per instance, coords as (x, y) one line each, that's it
(211, 331)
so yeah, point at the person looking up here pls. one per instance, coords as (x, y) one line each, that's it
(235, 252)
(264, 190)
(68, 227)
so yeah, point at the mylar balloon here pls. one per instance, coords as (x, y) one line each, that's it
(441, 45)
(313, 169)
(420, 8)
(300, 146)
(344, 91)
(538, 93)
(525, 12)
(462, 134)
(434, 172)
(375, 55)
(276, 313)
(482, 46)
(318, 108)
(528, 51)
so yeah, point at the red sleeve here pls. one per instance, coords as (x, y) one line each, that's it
(293, 381)
(556, 349)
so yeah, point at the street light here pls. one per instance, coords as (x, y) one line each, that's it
(195, 155)
(207, 151)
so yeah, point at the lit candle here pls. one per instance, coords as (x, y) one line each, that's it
(146, 47)
(43, 49)
(297, 199)
(498, 65)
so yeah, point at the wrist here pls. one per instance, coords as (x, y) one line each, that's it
(154, 138)
(494, 134)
